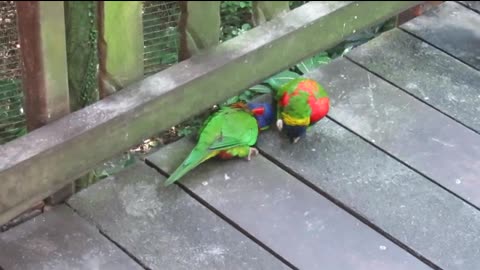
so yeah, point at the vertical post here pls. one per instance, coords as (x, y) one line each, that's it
(120, 44)
(41, 27)
(199, 26)
(264, 11)
(81, 29)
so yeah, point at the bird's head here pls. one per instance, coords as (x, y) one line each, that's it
(264, 112)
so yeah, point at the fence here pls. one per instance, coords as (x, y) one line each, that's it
(137, 40)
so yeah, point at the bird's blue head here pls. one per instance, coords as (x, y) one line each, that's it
(264, 112)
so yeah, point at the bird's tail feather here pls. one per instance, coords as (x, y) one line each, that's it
(195, 158)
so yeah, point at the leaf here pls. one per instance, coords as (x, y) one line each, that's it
(281, 78)
(232, 100)
(261, 89)
(246, 26)
(310, 64)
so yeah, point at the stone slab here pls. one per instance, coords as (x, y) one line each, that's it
(167, 229)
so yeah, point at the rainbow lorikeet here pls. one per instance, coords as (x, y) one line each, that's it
(230, 132)
(301, 103)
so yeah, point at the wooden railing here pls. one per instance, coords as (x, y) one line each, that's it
(62, 146)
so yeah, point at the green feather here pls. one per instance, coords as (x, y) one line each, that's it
(226, 129)
(298, 104)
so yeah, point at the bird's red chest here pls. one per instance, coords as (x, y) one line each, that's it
(319, 107)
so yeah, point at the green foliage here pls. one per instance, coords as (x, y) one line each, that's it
(236, 18)
(360, 38)
(105, 170)
(313, 62)
(12, 117)
(281, 78)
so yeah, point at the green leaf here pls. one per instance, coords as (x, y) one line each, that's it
(232, 100)
(129, 161)
(310, 64)
(244, 97)
(246, 26)
(261, 89)
(278, 80)
(242, 4)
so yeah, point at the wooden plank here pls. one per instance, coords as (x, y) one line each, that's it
(120, 44)
(88, 136)
(432, 143)
(199, 27)
(264, 11)
(166, 228)
(425, 72)
(41, 27)
(60, 239)
(417, 212)
(475, 5)
(300, 225)
(452, 28)
(415, 11)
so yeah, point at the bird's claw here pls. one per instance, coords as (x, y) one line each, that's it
(295, 140)
(252, 152)
(279, 124)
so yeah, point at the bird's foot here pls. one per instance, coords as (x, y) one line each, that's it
(295, 140)
(251, 153)
(279, 124)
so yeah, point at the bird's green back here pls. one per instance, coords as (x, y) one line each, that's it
(225, 129)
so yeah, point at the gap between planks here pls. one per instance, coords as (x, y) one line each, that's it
(315, 189)
(222, 216)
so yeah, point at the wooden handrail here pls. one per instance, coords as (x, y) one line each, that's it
(39, 163)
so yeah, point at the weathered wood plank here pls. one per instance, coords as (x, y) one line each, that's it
(88, 136)
(417, 212)
(264, 11)
(300, 225)
(120, 44)
(452, 28)
(60, 239)
(417, 134)
(41, 27)
(475, 5)
(167, 228)
(427, 73)
(199, 27)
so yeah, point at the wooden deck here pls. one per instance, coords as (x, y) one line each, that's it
(388, 181)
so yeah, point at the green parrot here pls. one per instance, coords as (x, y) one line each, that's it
(301, 103)
(230, 132)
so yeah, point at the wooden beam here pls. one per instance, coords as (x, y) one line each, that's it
(264, 11)
(199, 26)
(120, 44)
(41, 27)
(76, 143)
